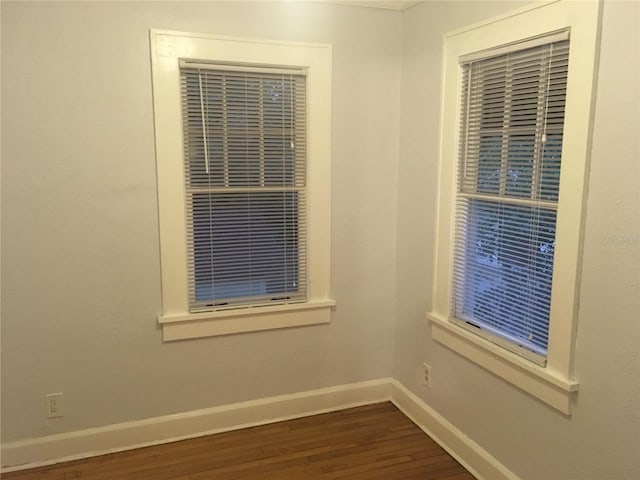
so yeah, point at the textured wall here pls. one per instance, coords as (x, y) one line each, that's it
(80, 266)
(80, 259)
(602, 438)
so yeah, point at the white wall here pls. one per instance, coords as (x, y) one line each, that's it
(80, 260)
(80, 266)
(602, 438)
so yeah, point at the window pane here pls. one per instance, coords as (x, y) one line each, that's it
(525, 77)
(243, 159)
(241, 101)
(278, 104)
(550, 174)
(242, 130)
(201, 117)
(245, 245)
(491, 79)
(279, 160)
(490, 161)
(520, 166)
(508, 270)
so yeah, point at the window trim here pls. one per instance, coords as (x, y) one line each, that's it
(167, 49)
(553, 384)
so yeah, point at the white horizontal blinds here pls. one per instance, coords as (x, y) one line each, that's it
(510, 151)
(245, 173)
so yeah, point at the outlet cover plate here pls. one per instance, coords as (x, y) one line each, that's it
(53, 405)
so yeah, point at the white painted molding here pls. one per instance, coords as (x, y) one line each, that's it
(544, 384)
(91, 442)
(480, 463)
(181, 327)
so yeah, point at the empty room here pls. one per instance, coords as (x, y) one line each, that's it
(296, 240)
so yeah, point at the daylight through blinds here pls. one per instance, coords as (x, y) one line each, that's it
(245, 182)
(508, 183)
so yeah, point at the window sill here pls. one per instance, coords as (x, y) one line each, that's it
(544, 384)
(240, 320)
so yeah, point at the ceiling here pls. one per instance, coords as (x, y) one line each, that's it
(385, 4)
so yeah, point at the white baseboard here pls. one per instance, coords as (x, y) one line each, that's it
(91, 442)
(125, 436)
(480, 463)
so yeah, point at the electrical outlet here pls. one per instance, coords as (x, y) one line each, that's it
(426, 375)
(54, 405)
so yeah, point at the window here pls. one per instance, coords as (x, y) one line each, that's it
(516, 118)
(245, 182)
(510, 161)
(242, 147)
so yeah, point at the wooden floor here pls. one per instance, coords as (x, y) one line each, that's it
(365, 443)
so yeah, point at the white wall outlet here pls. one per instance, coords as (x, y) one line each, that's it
(426, 375)
(54, 405)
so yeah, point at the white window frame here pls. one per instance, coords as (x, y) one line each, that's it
(554, 383)
(167, 49)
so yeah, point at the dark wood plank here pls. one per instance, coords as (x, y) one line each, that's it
(373, 442)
